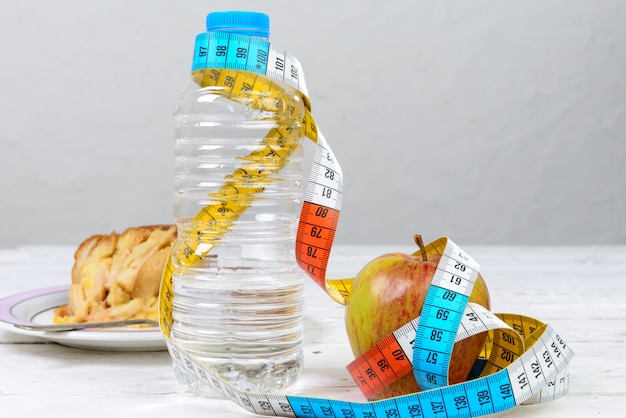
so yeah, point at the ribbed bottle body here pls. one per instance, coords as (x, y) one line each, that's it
(239, 311)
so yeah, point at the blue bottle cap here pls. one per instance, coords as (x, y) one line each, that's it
(246, 23)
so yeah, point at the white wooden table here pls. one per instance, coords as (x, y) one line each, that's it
(580, 291)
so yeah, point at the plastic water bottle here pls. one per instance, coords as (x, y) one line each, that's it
(240, 310)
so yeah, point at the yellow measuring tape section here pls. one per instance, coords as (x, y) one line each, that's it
(247, 183)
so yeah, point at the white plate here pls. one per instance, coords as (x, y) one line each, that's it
(37, 306)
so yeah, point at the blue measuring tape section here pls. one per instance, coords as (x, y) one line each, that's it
(246, 53)
(443, 309)
(537, 357)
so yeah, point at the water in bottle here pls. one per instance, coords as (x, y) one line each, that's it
(239, 311)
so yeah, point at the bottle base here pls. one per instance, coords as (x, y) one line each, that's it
(248, 375)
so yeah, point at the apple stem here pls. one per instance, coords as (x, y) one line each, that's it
(420, 243)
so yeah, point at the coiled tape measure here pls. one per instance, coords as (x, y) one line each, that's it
(523, 361)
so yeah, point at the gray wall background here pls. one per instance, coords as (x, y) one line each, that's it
(490, 122)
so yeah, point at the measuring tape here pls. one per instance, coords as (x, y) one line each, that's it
(524, 359)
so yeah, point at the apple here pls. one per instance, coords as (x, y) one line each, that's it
(388, 293)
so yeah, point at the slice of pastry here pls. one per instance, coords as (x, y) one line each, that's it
(117, 276)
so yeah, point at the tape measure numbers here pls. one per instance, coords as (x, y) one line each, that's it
(442, 312)
(524, 358)
(542, 366)
(392, 357)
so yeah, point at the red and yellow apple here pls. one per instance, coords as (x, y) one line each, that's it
(389, 292)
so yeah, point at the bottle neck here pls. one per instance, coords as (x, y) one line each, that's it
(239, 31)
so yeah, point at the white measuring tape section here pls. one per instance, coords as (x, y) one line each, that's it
(524, 359)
